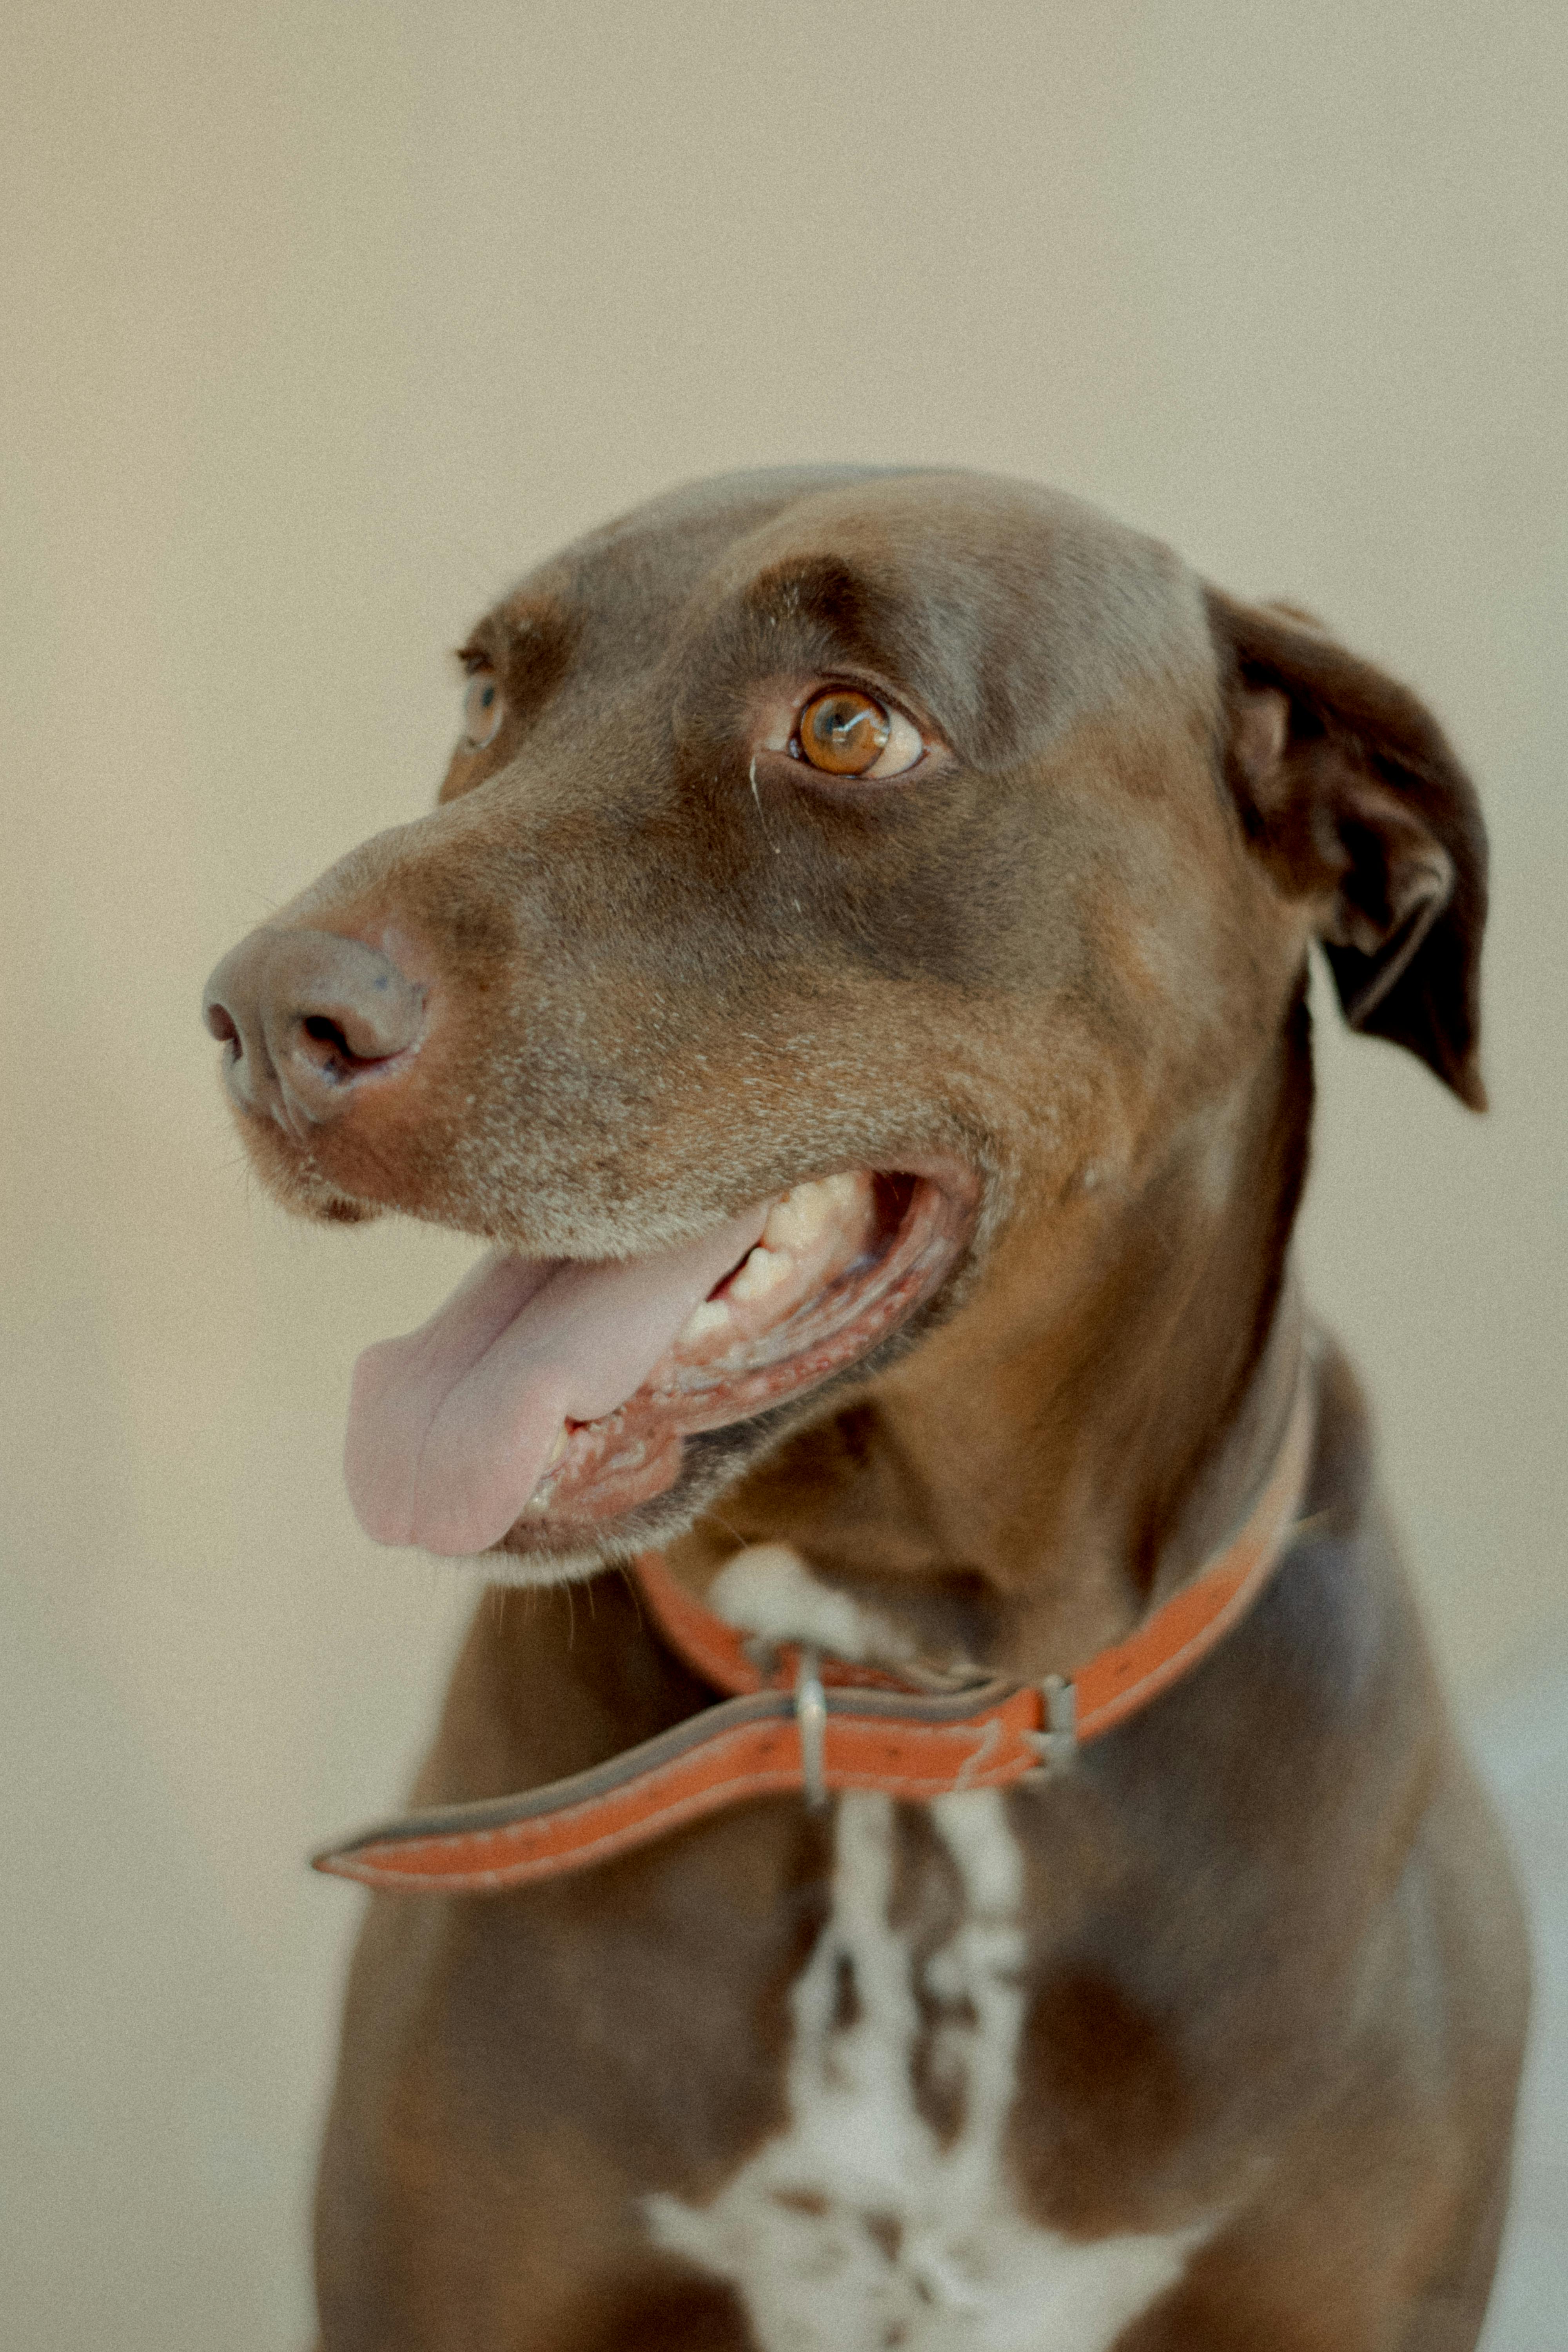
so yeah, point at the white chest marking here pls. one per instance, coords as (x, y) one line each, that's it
(769, 1591)
(857, 2228)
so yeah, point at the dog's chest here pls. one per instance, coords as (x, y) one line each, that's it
(883, 2213)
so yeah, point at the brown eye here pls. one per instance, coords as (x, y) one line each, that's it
(483, 710)
(843, 733)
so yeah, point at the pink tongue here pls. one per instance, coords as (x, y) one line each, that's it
(451, 1428)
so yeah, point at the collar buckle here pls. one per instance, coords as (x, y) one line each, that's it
(811, 1720)
(1057, 1745)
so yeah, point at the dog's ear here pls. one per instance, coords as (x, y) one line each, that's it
(1352, 796)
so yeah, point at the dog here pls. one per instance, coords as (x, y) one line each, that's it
(944, 1832)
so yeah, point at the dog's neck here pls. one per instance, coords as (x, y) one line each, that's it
(1022, 1486)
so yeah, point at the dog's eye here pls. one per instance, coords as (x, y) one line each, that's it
(483, 710)
(846, 734)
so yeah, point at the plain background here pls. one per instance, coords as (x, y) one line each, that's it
(319, 324)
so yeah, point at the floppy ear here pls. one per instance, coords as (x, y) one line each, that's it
(1350, 796)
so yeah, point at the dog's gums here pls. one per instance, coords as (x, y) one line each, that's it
(562, 1391)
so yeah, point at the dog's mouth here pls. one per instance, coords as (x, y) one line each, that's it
(558, 1394)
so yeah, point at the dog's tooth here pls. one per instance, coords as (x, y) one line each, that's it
(763, 1271)
(559, 1448)
(796, 1222)
(704, 1320)
(778, 1223)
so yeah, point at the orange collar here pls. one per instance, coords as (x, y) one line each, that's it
(806, 1723)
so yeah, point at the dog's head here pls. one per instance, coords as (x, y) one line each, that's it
(839, 877)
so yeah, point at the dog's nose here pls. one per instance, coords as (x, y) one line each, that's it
(305, 1016)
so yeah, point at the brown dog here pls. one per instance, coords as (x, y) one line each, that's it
(935, 836)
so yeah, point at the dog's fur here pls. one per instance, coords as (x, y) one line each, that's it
(1213, 2040)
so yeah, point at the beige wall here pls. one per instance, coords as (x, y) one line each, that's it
(320, 321)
